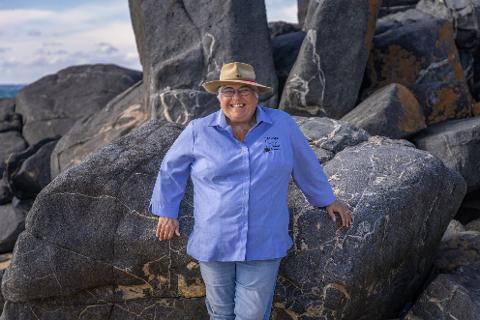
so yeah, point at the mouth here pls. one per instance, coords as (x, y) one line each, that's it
(237, 105)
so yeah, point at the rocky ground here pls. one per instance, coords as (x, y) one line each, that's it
(386, 94)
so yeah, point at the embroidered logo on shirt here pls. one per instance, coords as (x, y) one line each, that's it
(271, 144)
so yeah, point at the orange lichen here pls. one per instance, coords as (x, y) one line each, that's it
(412, 118)
(446, 41)
(445, 108)
(476, 109)
(191, 289)
(398, 65)
(373, 6)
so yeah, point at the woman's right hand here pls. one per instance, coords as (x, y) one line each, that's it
(167, 227)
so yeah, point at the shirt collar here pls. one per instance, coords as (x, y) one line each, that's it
(219, 119)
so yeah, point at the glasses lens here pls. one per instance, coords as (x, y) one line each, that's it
(228, 93)
(244, 92)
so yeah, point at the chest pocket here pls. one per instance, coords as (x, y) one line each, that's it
(275, 154)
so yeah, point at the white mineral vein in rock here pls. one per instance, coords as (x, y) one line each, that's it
(208, 45)
(434, 65)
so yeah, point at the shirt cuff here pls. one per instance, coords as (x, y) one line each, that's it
(163, 211)
(322, 202)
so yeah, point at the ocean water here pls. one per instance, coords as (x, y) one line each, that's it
(9, 90)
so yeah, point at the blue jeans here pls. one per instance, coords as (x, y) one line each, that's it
(240, 290)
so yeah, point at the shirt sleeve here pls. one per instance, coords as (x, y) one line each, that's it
(173, 176)
(307, 172)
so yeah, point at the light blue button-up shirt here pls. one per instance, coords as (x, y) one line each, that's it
(240, 188)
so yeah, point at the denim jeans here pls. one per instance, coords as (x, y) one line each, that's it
(240, 290)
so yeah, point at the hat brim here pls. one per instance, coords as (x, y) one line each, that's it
(212, 86)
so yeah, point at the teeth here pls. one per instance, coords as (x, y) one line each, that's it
(238, 105)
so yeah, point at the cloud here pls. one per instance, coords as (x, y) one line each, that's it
(284, 10)
(34, 33)
(41, 41)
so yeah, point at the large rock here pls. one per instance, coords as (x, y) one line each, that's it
(457, 144)
(5, 192)
(183, 105)
(9, 120)
(328, 136)
(50, 106)
(370, 270)
(278, 28)
(100, 254)
(285, 51)
(183, 43)
(418, 51)
(454, 293)
(99, 258)
(394, 6)
(118, 118)
(10, 142)
(464, 15)
(392, 111)
(12, 223)
(321, 84)
(28, 172)
(302, 9)
(444, 299)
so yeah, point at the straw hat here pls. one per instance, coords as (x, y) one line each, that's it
(235, 73)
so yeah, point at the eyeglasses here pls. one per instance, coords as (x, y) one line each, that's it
(230, 92)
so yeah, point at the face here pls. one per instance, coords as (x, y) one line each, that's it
(240, 108)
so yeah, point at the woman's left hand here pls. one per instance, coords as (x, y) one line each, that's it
(342, 209)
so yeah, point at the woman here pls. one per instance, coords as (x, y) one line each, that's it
(240, 159)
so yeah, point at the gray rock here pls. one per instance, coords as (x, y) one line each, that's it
(444, 299)
(9, 120)
(12, 222)
(302, 9)
(392, 111)
(454, 293)
(278, 28)
(473, 225)
(321, 84)
(5, 192)
(183, 43)
(100, 252)
(418, 51)
(457, 144)
(371, 269)
(463, 14)
(2, 301)
(28, 172)
(10, 142)
(182, 106)
(454, 227)
(118, 118)
(395, 6)
(103, 257)
(50, 106)
(285, 52)
(328, 136)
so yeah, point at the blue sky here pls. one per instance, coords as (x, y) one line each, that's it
(40, 37)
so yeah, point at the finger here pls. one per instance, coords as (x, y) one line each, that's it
(170, 233)
(331, 214)
(177, 230)
(158, 231)
(165, 233)
(344, 217)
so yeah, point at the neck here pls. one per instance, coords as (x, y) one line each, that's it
(249, 123)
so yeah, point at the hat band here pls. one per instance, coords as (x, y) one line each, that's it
(252, 81)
